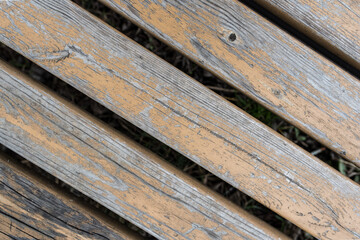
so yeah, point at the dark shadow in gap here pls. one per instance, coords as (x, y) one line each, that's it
(170, 155)
(303, 38)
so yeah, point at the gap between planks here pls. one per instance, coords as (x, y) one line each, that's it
(334, 24)
(114, 171)
(262, 61)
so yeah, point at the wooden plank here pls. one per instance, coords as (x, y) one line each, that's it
(332, 23)
(182, 113)
(32, 209)
(263, 62)
(114, 171)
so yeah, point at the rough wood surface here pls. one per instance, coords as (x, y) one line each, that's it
(263, 62)
(114, 171)
(333, 23)
(30, 209)
(182, 113)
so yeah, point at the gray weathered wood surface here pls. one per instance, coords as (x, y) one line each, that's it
(113, 170)
(182, 113)
(264, 62)
(333, 23)
(31, 209)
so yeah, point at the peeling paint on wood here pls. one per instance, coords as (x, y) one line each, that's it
(333, 23)
(30, 209)
(114, 171)
(263, 62)
(182, 113)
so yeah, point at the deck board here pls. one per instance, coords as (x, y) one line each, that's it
(332, 23)
(177, 110)
(263, 62)
(30, 208)
(114, 171)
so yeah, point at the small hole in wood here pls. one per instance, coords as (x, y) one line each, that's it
(232, 37)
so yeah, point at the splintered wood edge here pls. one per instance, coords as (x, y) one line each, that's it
(177, 110)
(23, 214)
(168, 204)
(334, 24)
(262, 61)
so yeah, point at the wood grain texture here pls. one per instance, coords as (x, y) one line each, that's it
(114, 171)
(180, 112)
(263, 62)
(333, 23)
(30, 209)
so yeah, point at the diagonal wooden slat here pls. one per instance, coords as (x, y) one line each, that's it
(333, 23)
(262, 61)
(113, 170)
(182, 113)
(32, 209)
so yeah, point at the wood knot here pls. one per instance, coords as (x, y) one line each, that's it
(232, 37)
(229, 36)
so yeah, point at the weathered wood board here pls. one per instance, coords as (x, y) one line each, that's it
(182, 113)
(113, 170)
(32, 209)
(332, 23)
(262, 61)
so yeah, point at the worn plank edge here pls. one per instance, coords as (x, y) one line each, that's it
(80, 222)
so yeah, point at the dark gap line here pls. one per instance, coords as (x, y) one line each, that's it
(184, 64)
(308, 41)
(200, 174)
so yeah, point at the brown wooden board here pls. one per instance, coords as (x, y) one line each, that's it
(333, 23)
(113, 170)
(32, 209)
(182, 113)
(264, 62)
